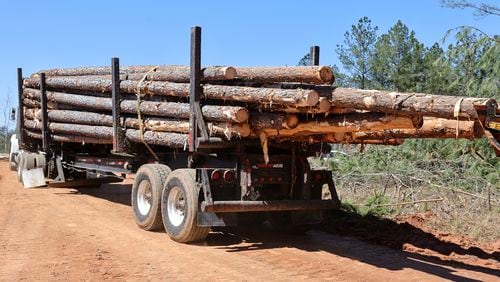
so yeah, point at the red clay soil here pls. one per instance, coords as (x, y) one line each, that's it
(90, 234)
(410, 234)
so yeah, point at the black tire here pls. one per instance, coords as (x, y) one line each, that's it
(182, 182)
(152, 178)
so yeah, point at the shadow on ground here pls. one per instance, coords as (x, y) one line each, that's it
(341, 235)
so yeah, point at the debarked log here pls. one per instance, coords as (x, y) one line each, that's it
(63, 138)
(149, 123)
(162, 73)
(175, 140)
(409, 103)
(345, 123)
(304, 74)
(432, 128)
(291, 97)
(167, 109)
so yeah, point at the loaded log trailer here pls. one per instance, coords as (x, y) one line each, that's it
(218, 145)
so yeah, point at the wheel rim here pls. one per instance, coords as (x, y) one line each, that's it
(176, 206)
(144, 197)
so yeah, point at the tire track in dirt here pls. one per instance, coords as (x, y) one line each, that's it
(66, 234)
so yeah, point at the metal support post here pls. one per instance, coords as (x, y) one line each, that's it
(120, 144)
(314, 55)
(45, 114)
(20, 111)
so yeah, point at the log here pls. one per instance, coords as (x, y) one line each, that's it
(71, 138)
(167, 109)
(162, 73)
(408, 103)
(175, 140)
(294, 97)
(344, 123)
(259, 121)
(304, 74)
(149, 123)
(432, 128)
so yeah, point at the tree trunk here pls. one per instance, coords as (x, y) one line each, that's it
(304, 74)
(432, 128)
(290, 97)
(154, 124)
(161, 73)
(344, 123)
(175, 140)
(168, 109)
(259, 121)
(408, 103)
(71, 138)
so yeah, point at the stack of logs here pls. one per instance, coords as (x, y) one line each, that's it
(268, 103)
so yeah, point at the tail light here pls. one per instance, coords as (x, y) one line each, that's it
(216, 175)
(229, 175)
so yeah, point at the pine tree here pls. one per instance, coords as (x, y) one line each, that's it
(356, 52)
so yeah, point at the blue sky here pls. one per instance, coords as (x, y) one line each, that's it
(47, 34)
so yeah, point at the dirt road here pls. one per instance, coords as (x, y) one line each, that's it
(89, 234)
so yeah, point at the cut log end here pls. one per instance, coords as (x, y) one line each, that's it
(291, 121)
(241, 115)
(229, 72)
(324, 105)
(312, 98)
(326, 75)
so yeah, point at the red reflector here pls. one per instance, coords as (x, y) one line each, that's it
(318, 176)
(280, 179)
(216, 175)
(271, 179)
(229, 175)
(262, 179)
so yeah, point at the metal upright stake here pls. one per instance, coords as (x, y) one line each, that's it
(45, 114)
(20, 111)
(196, 120)
(119, 142)
(314, 55)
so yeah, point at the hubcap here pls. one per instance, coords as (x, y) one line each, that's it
(176, 206)
(144, 197)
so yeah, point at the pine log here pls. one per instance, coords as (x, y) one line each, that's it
(432, 128)
(149, 123)
(167, 109)
(344, 123)
(175, 140)
(259, 121)
(338, 138)
(304, 74)
(292, 97)
(71, 138)
(408, 103)
(161, 73)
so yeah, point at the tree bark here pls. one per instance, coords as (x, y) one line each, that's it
(344, 123)
(432, 128)
(259, 121)
(167, 109)
(174, 140)
(160, 73)
(71, 138)
(305, 74)
(408, 103)
(149, 123)
(290, 97)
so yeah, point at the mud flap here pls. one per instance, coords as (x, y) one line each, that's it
(33, 178)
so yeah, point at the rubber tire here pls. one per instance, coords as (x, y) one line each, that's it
(156, 174)
(188, 230)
